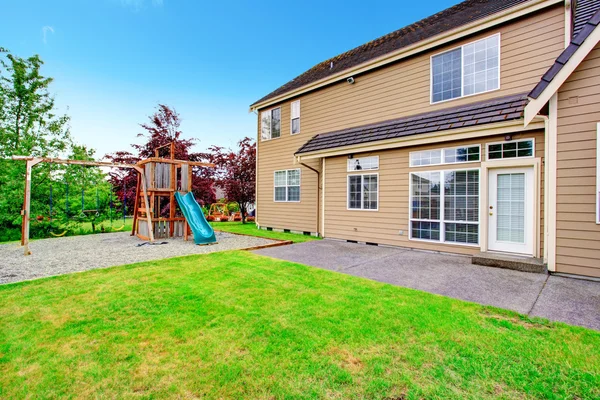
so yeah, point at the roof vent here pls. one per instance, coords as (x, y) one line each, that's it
(331, 65)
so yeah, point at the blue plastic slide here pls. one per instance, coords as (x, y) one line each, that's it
(203, 232)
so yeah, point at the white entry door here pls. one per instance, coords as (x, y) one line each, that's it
(510, 210)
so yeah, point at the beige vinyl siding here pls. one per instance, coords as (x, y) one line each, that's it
(578, 235)
(528, 47)
(383, 226)
(278, 154)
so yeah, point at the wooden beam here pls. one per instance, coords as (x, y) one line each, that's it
(73, 162)
(169, 161)
(27, 205)
(136, 206)
(146, 202)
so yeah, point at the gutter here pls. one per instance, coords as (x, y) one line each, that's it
(318, 197)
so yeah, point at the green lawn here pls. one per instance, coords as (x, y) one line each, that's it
(237, 325)
(251, 229)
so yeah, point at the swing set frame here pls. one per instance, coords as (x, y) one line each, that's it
(145, 189)
(33, 161)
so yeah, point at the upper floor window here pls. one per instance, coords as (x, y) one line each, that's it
(512, 149)
(470, 69)
(363, 163)
(270, 124)
(295, 116)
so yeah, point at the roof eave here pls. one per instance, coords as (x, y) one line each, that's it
(497, 128)
(537, 103)
(454, 34)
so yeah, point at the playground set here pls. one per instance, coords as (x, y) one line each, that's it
(161, 182)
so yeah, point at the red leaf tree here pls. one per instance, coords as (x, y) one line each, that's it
(162, 128)
(236, 173)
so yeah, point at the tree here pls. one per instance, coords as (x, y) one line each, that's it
(162, 128)
(29, 125)
(236, 173)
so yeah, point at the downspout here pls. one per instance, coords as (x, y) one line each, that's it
(546, 183)
(318, 197)
(255, 112)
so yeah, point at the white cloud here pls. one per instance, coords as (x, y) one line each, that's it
(45, 30)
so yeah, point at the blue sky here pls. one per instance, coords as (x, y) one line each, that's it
(113, 61)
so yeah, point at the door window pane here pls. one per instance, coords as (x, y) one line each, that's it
(510, 220)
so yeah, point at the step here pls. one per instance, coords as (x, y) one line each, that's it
(517, 263)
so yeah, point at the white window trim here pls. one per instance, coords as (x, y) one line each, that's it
(361, 197)
(363, 170)
(442, 221)
(462, 70)
(597, 173)
(292, 118)
(270, 111)
(442, 162)
(487, 149)
(286, 185)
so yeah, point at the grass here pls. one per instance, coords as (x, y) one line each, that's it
(238, 325)
(250, 228)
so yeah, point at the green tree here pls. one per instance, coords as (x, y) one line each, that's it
(29, 125)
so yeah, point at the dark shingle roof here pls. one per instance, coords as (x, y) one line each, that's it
(451, 18)
(583, 26)
(584, 11)
(497, 110)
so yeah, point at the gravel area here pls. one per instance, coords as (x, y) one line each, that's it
(81, 253)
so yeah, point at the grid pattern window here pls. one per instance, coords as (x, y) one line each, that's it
(447, 79)
(481, 66)
(425, 157)
(287, 185)
(462, 154)
(363, 192)
(452, 155)
(461, 206)
(425, 203)
(445, 206)
(470, 69)
(295, 117)
(363, 163)
(270, 124)
(515, 149)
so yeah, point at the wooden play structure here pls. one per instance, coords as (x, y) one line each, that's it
(162, 177)
(158, 180)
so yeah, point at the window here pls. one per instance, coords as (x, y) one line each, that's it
(451, 155)
(287, 186)
(295, 116)
(514, 149)
(363, 192)
(470, 69)
(461, 154)
(445, 206)
(270, 124)
(363, 163)
(426, 157)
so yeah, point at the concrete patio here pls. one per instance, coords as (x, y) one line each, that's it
(557, 298)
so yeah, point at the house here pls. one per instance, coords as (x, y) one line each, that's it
(473, 131)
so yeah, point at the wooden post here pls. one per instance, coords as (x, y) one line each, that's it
(27, 205)
(146, 204)
(136, 206)
(173, 185)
